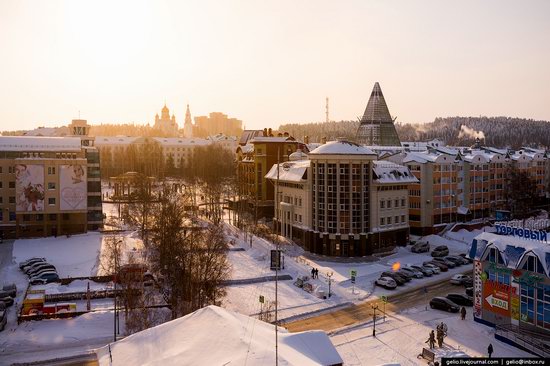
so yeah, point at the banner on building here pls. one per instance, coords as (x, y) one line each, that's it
(478, 269)
(73, 187)
(29, 187)
(496, 298)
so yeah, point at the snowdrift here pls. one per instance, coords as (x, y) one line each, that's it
(216, 336)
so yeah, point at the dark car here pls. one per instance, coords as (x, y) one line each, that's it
(3, 316)
(30, 261)
(440, 251)
(397, 278)
(461, 299)
(442, 266)
(44, 278)
(6, 298)
(446, 262)
(33, 266)
(470, 291)
(465, 256)
(420, 247)
(468, 282)
(442, 303)
(41, 268)
(457, 261)
(11, 289)
(458, 258)
(405, 275)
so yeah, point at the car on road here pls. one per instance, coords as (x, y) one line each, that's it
(446, 262)
(426, 271)
(461, 299)
(470, 291)
(11, 289)
(420, 247)
(397, 278)
(458, 279)
(386, 282)
(3, 316)
(442, 303)
(44, 278)
(413, 272)
(440, 251)
(442, 267)
(30, 261)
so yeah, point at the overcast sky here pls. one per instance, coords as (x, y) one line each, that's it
(271, 62)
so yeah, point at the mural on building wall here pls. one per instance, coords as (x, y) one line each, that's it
(478, 269)
(73, 187)
(29, 187)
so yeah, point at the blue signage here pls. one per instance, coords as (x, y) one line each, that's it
(521, 232)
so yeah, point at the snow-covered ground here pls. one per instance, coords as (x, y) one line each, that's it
(401, 338)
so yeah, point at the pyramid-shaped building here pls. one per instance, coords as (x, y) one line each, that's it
(377, 128)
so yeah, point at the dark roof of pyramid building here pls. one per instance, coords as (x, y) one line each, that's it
(377, 126)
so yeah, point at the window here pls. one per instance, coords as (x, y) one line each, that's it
(402, 202)
(382, 204)
(12, 199)
(533, 264)
(396, 203)
(51, 201)
(389, 203)
(396, 220)
(402, 218)
(51, 170)
(382, 221)
(51, 185)
(389, 220)
(39, 217)
(12, 216)
(11, 184)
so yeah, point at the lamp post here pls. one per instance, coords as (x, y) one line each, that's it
(374, 308)
(329, 276)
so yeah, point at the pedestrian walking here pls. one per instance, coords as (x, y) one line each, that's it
(490, 350)
(463, 313)
(316, 272)
(431, 340)
(312, 272)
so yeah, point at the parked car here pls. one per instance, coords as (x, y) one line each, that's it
(397, 278)
(433, 267)
(465, 256)
(43, 278)
(11, 289)
(420, 247)
(386, 282)
(457, 279)
(32, 267)
(468, 282)
(426, 271)
(41, 268)
(413, 272)
(3, 315)
(457, 262)
(405, 275)
(6, 298)
(440, 251)
(458, 259)
(30, 261)
(442, 303)
(440, 265)
(461, 299)
(470, 291)
(446, 262)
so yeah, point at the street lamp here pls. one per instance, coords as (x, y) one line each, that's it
(374, 308)
(329, 276)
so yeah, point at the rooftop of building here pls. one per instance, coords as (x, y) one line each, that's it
(385, 172)
(341, 147)
(290, 171)
(40, 143)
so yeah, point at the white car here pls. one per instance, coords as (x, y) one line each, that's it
(435, 269)
(386, 282)
(457, 279)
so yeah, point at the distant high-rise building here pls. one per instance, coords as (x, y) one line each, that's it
(377, 126)
(188, 125)
(216, 123)
(165, 124)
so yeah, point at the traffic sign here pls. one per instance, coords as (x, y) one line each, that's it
(262, 299)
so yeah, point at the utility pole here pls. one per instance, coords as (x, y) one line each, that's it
(374, 308)
(278, 256)
(329, 276)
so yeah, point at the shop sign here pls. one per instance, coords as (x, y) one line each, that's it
(497, 298)
(514, 311)
(521, 232)
(526, 278)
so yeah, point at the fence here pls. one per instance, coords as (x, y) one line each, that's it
(535, 343)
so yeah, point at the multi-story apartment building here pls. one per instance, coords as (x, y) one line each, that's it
(339, 201)
(49, 185)
(254, 159)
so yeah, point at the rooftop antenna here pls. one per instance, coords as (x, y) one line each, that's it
(326, 110)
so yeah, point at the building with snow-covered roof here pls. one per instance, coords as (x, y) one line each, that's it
(512, 285)
(340, 201)
(49, 185)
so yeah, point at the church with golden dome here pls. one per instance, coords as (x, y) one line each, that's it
(165, 124)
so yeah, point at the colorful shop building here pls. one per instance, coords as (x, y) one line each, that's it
(512, 288)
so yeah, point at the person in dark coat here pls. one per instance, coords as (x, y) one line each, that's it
(316, 272)
(463, 313)
(312, 272)
(431, 339)
(490, 350)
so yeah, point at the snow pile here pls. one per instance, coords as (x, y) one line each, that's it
(215, 336)
(74, 256)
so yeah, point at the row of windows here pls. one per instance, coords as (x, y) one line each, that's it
(396, 203)
(388, 220)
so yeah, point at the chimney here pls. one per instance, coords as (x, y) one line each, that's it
(323, 140)
(270, 132)
(265, 132)
(306, 139)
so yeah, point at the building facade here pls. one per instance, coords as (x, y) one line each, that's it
(339, 201)
(50, 185)
(512, 285)
(217, 122)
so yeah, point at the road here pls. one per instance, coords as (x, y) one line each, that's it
(363, 312)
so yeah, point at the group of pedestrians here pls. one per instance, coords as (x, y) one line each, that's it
(314, 273)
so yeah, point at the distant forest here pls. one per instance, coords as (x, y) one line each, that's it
(457, 131)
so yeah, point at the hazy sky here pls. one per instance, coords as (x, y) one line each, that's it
(270, 62)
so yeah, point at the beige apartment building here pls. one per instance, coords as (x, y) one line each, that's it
(49, 185)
